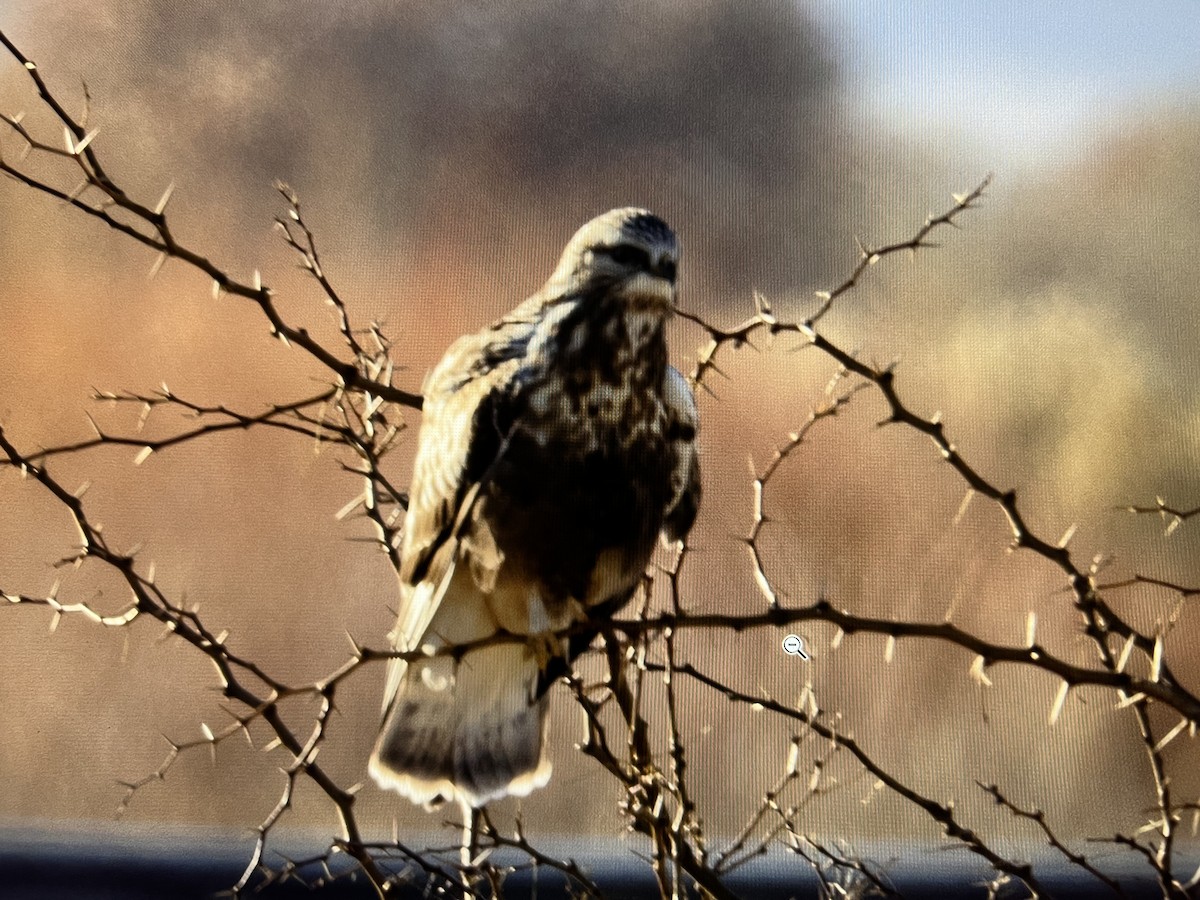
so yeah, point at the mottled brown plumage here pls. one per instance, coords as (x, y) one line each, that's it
(556, 445)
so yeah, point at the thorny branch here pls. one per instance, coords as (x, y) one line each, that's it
(1174, 516)
(151, 227)
(216, 418)
(1038, 817)
(357, 412)
(231, 669)
(1101, 622)
(942, 813)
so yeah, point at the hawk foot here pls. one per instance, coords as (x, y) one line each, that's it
(544, 646)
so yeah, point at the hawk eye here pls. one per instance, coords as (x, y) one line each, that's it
(630, 256)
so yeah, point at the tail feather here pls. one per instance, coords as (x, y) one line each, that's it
(472, 731)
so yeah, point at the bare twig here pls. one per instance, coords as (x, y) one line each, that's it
(1038, 817)
(152, 229)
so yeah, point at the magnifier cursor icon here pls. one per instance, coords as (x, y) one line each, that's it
(793, 645)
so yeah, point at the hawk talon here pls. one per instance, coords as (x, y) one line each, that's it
(544, 646)
(577, 611)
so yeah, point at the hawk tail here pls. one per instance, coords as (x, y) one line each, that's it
(471, 730)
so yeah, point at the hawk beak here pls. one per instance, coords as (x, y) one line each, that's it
(650, 292)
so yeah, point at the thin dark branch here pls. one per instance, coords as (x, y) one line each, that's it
(943, 814)
(159, 236)
(1038, 817)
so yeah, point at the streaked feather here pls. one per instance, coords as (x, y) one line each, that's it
(556, 444)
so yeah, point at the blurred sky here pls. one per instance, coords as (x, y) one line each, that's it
(1018, 82)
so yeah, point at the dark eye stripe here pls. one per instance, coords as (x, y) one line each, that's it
(629, 255)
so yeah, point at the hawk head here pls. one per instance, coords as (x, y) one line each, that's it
(628, 253)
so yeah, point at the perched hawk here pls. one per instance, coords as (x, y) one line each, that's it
(556, 445)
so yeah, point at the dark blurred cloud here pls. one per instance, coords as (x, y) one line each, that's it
(476, 125)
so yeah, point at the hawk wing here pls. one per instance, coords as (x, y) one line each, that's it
(461, 436)
(468, 728)
(683, 422)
